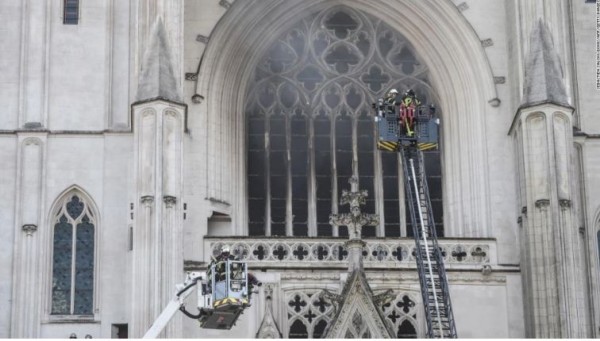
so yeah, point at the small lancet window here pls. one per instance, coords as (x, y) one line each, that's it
(71, 12)
(73, 258)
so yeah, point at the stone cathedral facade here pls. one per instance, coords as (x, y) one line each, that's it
(138, 138)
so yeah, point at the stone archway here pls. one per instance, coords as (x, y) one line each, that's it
(460, 75)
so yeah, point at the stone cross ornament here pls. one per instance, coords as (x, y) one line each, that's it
(355, 220)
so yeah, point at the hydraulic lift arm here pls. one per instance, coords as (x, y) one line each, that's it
(174, 305)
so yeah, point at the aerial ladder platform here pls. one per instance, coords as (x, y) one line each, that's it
(408, 128)
(223, 293)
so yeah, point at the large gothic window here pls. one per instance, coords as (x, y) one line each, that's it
(73, 258)
(310, 125)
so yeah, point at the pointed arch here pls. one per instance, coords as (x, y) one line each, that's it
(407, 329)
(72, 266)
(460, 75)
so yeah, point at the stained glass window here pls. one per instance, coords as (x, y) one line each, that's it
(310, 126)
(73, 259)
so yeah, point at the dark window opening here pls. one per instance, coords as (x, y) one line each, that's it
(407, 331)
(71, 12)
(298, 330)
(120, 331)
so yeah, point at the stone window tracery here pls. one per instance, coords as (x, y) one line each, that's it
(308, 314)
(401, 315)
(310, 126)
(73, 246)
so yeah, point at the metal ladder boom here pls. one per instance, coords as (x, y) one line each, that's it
(430, 265)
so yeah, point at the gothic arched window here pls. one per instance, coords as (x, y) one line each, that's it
(401, 315)
(73, 258)
(310, 125)
(308, 314)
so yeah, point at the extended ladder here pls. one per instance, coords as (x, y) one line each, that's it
(430, 264)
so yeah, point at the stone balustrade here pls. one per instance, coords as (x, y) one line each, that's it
(301, 252)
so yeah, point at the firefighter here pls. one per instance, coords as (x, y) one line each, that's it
(221, 263)
(252, 281)
(408, 105)
(391, 97)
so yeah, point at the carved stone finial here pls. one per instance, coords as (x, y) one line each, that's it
(29, 229)
(354, 220)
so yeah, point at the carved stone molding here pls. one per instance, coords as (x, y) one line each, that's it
(191, 76)
(384, 298)
(564, 203)
(487, 42)
(268, 328)
(486, 270)
(147, 200)
(457, 278)
(29, 229)
(225, 4)
(269, 288)
(393, 277)
(202, 39)
(32, 141)
(169, 201)
(314, 276)
(147, 112)
(463, 6)
(495, 102)
(500, 80)
(336, 252)
(171, 113)
(542, 203)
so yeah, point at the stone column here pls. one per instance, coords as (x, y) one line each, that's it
(26, 305)
(159, 118)
(550, 237)
(543, 133)
(157, 244)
